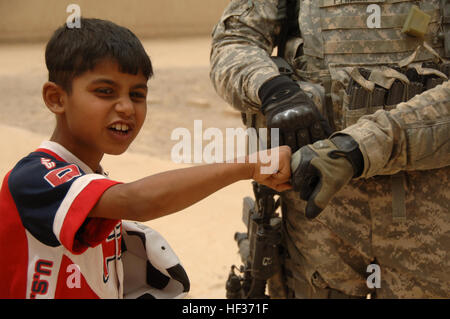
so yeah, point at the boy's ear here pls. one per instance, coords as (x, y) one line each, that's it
(54, 97)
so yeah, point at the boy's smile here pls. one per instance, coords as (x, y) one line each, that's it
(103, 113)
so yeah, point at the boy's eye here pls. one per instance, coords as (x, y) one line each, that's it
(137, 95)
(106, 91)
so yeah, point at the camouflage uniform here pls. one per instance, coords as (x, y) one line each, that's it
(397, 214)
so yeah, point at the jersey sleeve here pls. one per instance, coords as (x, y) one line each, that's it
(54, 198)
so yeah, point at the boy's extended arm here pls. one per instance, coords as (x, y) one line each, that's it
(168, 192)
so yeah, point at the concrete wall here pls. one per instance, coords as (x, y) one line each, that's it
(35, 20)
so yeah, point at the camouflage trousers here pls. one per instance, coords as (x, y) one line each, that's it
(329, 256)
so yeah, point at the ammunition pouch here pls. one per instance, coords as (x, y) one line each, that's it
(369, 91)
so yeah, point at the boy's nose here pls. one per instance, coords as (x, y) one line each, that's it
(125, 106)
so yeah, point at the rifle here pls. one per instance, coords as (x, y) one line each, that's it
(258, 248)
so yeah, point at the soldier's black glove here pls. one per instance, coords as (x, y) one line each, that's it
(289, 108)
(320, 170)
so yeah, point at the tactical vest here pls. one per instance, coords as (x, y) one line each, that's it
(359, 57)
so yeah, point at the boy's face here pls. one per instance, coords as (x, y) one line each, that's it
(104, 112)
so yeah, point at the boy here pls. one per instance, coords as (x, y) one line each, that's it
(57, 206)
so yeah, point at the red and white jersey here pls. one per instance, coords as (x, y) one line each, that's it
(48, 246)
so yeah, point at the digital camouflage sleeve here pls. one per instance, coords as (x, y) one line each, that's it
(242, 43)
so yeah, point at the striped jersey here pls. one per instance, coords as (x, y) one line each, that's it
(49, 247)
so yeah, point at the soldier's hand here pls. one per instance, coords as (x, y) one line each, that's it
(320, 170)
(290, 109)
(273, 168)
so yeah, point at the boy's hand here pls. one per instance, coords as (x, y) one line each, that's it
(273, 168)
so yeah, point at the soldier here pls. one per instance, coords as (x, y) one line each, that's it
(353, 66)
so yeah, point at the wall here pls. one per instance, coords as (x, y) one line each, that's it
(35, 20)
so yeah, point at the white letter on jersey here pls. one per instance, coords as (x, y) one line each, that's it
(48, 163)
(374, 19)
(73, 21)
(74, 280)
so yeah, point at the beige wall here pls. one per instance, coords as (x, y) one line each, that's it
(35, 20)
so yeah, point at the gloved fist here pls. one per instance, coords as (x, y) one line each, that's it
(289, 108)
(320, 170)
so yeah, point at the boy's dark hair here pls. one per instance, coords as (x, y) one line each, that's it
(73, 51)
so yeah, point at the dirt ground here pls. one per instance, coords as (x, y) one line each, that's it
(179, 93)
